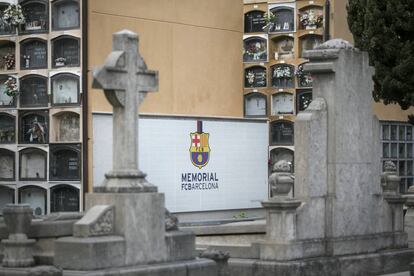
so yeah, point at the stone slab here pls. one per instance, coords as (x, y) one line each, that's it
(89, 253)
(391, 261)
(31, 271)
(180, 245)
(198, 267)
(139, 218)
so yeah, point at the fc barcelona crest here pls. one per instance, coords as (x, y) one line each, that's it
(199, 149)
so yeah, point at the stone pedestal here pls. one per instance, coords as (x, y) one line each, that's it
(409, 217)
(18, 249)
(139, 218)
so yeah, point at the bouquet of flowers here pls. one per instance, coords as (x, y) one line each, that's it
(60, 61)
(311, 20)
(13, 15)
(305, 79)
(9, 61)
(282, 72)
(270, 20)
(11, 89)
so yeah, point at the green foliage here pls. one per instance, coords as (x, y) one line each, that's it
(385, 29)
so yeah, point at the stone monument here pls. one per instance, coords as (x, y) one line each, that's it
(345, 219)
(124, 229)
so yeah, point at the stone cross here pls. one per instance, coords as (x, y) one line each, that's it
(125, 80)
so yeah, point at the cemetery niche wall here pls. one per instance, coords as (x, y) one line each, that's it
(64, 198)
(281, 133)
(40, 96)
(285, 18)
(282, 103)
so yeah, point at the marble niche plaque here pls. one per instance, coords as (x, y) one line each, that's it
(281, 133)
(36, 197)
(255, 76)
(7, 129)
(255, 105)
(254, 49)
(65, 14)
(66, 52)
(33, 54)
(7, 165)
(65, 89)
(285, 19)
(32, 164)
(36, 16)
(282, 103)
(68, 127)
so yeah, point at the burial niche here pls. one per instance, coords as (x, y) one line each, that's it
(309, 42)
(34, 127)
(33, 91)
(6, 197)
(283, 47)
(64, 162)
(304, 79)
(7, 165)
(254, 49)
(255, 105)
(255, 76)
(5, 27)
(65, 89)
(32, 164)
(7, 55)
(281, 133)
(282, 75)
(284, 21)
(303, 99)
(8, 91)
(64, 198)
(282, 103)
(33, 54)
(36, 16)
(65, 52)
(7, 129)
(311, 18)
(254, 21)
(34, 196)
(279, 154)
(66, 127)
(65, 14)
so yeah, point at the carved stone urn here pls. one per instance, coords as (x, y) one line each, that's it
(389, 179)
(18, 248)
(281, 180)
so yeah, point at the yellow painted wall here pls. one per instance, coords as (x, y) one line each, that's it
(195, 45)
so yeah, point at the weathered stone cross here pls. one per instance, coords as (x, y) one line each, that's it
(125, 81)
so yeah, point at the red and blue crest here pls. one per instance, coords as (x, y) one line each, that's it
(199, 149)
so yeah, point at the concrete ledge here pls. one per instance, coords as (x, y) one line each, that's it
(44, 229)
(391, 261)
(229, 228)
(243, 252)
(197, 267)
(90, 253)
